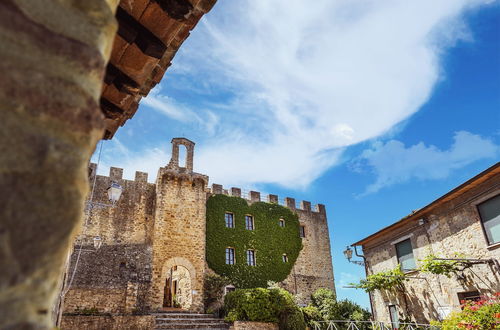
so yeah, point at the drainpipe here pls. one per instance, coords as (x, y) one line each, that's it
(365, 262)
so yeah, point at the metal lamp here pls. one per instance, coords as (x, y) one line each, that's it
(97, 242)
(114, 192)
(348, 253)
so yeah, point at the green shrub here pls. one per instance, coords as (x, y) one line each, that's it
(312, 316)
(213, 292)
(331, 309)
(481, 315)
(292, 319)
(268, 239)
(264, 305)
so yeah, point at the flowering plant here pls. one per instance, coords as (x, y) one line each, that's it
(483, 314)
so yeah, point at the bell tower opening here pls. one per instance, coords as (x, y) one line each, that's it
(186, 153)
(182, 156)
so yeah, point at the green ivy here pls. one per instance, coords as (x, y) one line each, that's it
(268, 239)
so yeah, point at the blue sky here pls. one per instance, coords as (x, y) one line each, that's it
(373, 108)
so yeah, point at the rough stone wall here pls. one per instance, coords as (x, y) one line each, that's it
(113, 322)
(453, 227)
(179, 231)
(52, 58)
(313, 268)
(115, 277)
(154, 227)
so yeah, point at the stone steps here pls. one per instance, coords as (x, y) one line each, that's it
(186, 321)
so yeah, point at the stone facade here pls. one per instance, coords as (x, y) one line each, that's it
(313, 268)
(445, 227)
(149, 249)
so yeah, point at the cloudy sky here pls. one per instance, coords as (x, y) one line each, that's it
(374, 108)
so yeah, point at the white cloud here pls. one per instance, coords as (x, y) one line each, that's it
(301, 82)
(169, 107)
(394, 163)
(116, 154)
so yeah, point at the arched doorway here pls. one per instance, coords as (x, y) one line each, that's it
(177, 291)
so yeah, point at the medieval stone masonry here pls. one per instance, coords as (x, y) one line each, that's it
(148, 251)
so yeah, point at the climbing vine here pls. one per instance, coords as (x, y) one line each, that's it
(388, 280)
(268, 239)
(432, 264)
(395, 278)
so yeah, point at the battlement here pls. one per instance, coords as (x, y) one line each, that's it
(116, 174)
(255, 196)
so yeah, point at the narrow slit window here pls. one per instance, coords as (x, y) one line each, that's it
(282, 222)
(251, 257)
(302, 231)
(249, 222)
(229, 220)
(285, 258)
(229, 256)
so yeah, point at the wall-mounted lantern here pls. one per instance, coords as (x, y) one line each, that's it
(114, 192)
(348, 254)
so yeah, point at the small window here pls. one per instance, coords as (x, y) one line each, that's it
(489, 212)
(249, 222)
(285, 258)
(404, 252)
(302, 231)
(251, 257)
(468, 296)
(229, 256)
(282, 222)
(229, 220)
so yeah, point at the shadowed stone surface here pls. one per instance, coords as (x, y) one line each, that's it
(52, 60)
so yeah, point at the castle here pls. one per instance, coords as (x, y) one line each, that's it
(151, 250)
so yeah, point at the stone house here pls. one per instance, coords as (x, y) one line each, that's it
(148, 252)
(462, 224)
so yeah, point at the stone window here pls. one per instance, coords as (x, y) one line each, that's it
(249, 222)
(282, 222)
(285, 258)
(302, 231)
(489, 212)
(229, 256)
(404, 252)
(251, 257)
(229, 220)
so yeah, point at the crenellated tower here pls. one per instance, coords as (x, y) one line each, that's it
(179, 233)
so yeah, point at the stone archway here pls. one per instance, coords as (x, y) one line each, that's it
(178, 289)
(177, 275)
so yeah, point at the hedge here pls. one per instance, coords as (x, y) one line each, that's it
(264, 305)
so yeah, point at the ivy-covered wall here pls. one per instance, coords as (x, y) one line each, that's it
(268, 239)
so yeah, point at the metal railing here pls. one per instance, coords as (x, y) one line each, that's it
(371, 325)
